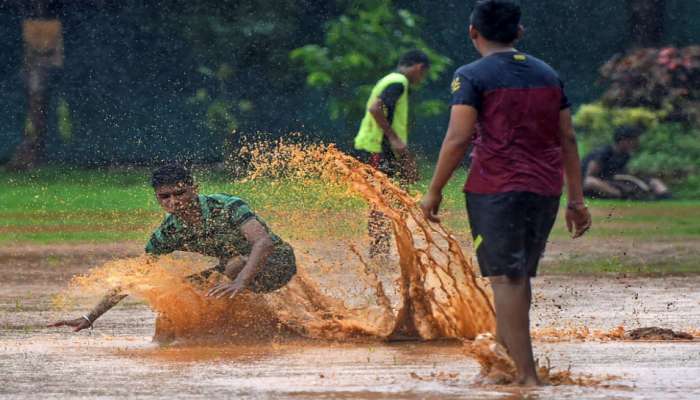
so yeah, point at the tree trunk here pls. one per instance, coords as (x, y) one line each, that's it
(28, 153)
(43, 52)
(646, 20)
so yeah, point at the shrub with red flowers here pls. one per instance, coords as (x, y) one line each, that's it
(666, 79)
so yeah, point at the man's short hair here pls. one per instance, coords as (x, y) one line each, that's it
(413, 57)
(497, 20)
(627, 132)
(171, 174)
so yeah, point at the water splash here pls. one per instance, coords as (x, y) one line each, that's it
(441, 297)
(497, 368)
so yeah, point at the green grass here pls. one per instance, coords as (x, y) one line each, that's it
(616, 266)
(105, 205)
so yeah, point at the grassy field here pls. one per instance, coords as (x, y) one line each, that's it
(112, 205)
(63, 205)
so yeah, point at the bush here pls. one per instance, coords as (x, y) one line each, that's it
(658, 90)
(596, 123)
(665, 79)
(670, 151)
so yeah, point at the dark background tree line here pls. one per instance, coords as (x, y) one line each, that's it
(138, 82)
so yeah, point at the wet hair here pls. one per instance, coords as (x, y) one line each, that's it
(497, 20)
(413, 57)
(627, 132)
(171, 174)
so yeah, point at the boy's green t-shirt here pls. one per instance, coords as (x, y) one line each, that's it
(219, 236)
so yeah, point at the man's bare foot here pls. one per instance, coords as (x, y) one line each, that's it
(530, 381)
(403, 337)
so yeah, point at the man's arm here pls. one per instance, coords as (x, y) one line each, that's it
(591, 182)
(110, 300)
(377, 111)
(386, 102)
(578, 219)
(262, 246)
(459, 135)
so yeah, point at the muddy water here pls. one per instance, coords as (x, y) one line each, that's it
(428, 290)
(118, 358)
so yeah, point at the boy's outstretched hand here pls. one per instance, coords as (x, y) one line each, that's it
(578, 220)
(430, 204)
(79, 324)
(230, 289)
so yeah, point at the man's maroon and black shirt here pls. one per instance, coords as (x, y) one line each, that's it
(517, 144)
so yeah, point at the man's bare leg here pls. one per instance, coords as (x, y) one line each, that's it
(379, 230)
(512, 297)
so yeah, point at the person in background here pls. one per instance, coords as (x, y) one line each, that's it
(382, 140)
(605, 175)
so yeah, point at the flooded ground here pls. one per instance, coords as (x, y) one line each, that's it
(118, 359)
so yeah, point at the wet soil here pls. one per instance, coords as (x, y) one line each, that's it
(118, 359)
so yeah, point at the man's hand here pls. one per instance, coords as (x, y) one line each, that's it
(430, 204)
(578, 220)
(230, 289)
(79, 324)
(398, 147)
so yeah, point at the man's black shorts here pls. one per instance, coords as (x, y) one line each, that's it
(513, 227)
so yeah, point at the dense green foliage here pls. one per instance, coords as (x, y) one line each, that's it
(596, 122)
(665, 80)
(227, 38)
(667, 149)
(658, 90)
(360, 47)
(153, 81)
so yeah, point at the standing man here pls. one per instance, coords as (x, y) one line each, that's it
(383, 136)
(523, 141)
(216, 225)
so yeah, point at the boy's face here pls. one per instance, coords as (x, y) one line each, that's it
(176, 199)
(417, 73)
(629, 145)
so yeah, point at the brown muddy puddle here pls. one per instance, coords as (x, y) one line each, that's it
(118, 359)
(324, 334)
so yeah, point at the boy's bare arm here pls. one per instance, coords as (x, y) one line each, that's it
(457, 139)
(110, 300)
(262, 247)
(578, 219)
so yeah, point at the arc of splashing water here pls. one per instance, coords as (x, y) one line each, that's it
(469, 309)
